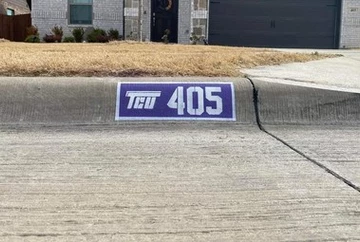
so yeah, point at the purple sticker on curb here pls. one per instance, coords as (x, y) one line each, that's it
(175, 101)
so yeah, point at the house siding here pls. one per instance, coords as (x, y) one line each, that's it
(19, 6)
(350, 24)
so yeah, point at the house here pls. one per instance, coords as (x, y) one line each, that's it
(14, 7)
(259, 23)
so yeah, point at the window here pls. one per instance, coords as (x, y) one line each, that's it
(80, 11)
(10, 12)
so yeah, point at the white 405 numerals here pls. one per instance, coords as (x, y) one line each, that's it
(177, 101)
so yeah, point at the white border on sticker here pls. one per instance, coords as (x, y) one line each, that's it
(117, 111)
(118, 99)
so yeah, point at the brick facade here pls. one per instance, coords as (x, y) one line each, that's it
(193, 17)
(45, 15)
(107, 14)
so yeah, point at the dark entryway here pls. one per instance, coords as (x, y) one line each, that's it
(164, 16)
(275, 23)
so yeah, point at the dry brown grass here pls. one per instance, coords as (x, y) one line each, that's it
(135, 59)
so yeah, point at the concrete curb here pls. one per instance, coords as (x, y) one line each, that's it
(52, 101)
(290, 104)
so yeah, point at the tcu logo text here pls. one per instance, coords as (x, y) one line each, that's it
(142, 99)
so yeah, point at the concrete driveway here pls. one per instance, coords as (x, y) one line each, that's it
(340, 73)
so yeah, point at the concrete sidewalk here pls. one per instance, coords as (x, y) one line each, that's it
(339, 73)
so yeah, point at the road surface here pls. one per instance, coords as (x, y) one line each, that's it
(293, 178)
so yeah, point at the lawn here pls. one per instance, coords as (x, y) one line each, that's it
(135, 59)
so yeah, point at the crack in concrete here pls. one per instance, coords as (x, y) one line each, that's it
(319, 164)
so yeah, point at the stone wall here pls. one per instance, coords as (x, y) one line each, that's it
(350, 24)
(184, 22)
(131, 20)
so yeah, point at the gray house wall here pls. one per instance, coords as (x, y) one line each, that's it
(350, 24)
(19, 6)
(110, 14)
(46, 14)
(107, 14)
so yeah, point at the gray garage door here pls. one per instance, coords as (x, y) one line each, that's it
(274, 23)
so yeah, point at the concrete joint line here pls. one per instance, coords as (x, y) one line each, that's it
(278, 78)
(355, 59)
(261, 127)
